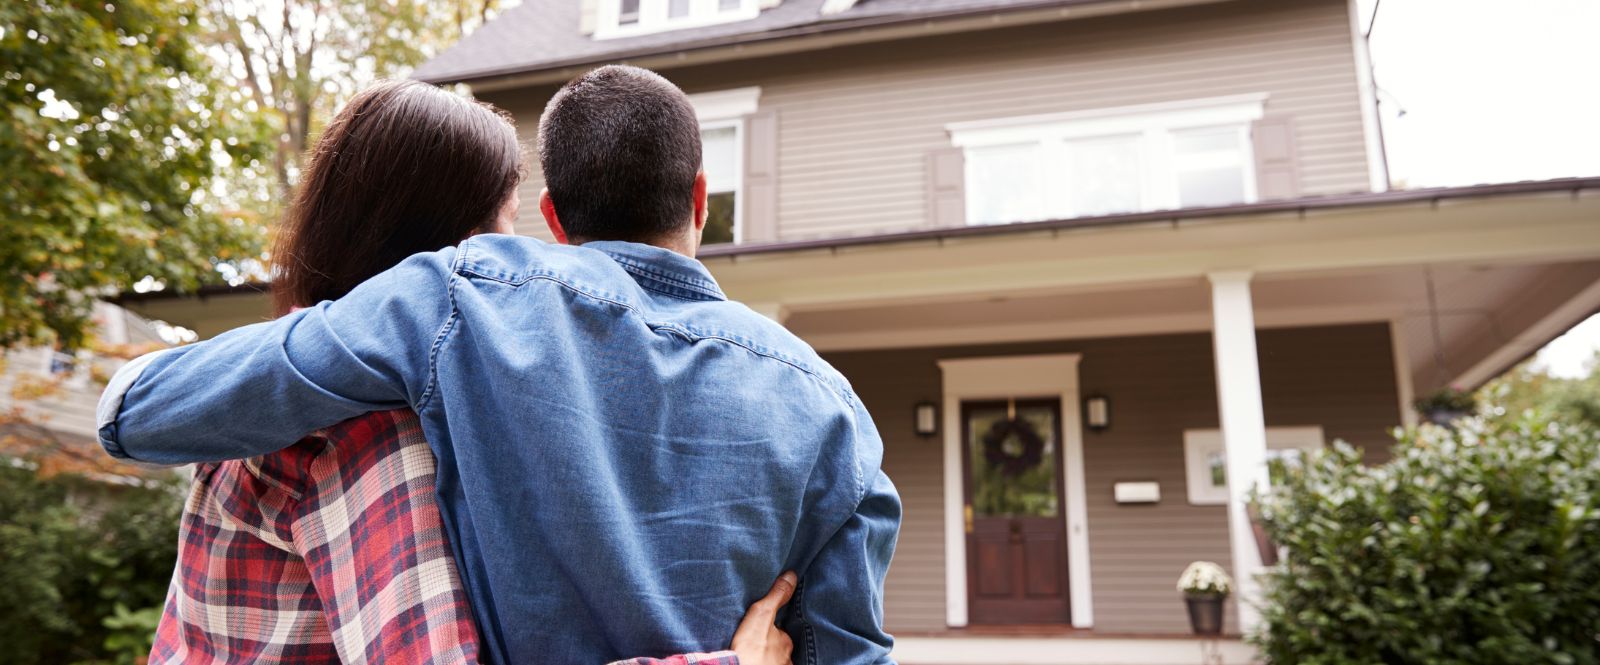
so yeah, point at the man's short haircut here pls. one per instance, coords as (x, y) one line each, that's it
(620, 147)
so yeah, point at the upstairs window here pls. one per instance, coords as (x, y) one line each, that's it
(625, 18)
(1132, 159)
(722, 116)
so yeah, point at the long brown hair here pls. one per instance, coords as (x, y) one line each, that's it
(404, 168)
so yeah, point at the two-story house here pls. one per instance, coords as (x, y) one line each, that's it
(1089, 263)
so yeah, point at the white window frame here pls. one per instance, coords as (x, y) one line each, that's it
(1154, 124)
(722, 109)
(653, 17)
(1200, 444)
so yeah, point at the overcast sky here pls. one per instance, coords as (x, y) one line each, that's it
(1493, 91)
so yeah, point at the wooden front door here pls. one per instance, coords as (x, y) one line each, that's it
(1016, 535)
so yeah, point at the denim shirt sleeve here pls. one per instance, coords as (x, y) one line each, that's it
(838, 613)
(260, 388)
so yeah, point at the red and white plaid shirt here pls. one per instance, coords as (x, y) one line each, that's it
(329, 551)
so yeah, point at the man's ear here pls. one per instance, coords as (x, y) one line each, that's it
(701, 209)
(547, 207)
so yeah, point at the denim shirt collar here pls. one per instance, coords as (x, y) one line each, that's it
(662, 269)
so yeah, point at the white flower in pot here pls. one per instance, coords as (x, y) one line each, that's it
(1205, 585)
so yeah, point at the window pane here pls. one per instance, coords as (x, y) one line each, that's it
(719, 218)
(1211, 187)
(719, 149)
(1104, 175)
(1013, 463)
(1002, 184)
(677, 8)
(1209, 163)
(629, 12)
(728, 5)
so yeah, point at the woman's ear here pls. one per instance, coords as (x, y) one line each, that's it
(506, 220)
(547, 207)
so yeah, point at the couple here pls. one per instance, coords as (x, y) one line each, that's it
(626, 460)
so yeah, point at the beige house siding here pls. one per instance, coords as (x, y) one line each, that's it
(856, 125)
(1341, 378)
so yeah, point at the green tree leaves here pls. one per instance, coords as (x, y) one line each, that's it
(117, 145)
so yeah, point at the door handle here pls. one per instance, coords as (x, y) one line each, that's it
(967, 513)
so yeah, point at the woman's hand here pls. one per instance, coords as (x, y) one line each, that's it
(758, 640)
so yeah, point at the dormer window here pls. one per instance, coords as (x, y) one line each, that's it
(626, 18)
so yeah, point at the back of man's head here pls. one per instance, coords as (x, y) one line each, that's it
(620, 148)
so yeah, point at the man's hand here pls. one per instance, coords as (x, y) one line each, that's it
(758, 640)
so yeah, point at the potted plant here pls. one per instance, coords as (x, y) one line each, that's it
(1446, 405)
(1205, 585)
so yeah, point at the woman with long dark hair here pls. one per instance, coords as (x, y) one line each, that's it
(334, 550)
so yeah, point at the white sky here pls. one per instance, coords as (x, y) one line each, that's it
(1493, 91)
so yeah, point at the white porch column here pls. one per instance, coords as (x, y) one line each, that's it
(1244, 430)
(772, 310)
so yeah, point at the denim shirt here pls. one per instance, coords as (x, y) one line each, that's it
(627, 459)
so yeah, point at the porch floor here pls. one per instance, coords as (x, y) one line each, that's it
(1016, 645)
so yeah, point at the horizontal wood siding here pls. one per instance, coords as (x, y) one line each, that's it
(1341, 378)
(857, 124)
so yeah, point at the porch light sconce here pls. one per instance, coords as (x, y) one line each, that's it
(1097, 412)
(925, 419)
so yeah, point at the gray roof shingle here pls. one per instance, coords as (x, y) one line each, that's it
(544, 34)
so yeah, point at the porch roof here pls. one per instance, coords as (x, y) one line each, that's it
(1304, 205)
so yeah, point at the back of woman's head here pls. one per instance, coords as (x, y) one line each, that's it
(404, 167)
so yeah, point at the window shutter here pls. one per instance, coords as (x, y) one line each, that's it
(1273, 142)
(946, 184)
(769, 4)
(760, 187)
(588, 16)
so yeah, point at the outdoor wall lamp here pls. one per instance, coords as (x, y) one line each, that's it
(925, 419)
(1097, 412)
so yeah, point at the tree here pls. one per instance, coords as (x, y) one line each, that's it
(123, 160)
(1528, 387)
(300, 59)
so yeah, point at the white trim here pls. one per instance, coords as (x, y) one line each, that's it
(729, 104)
(1065, 650)
(1402, 375)
(653, 17)
(1004, 377)
(1112, 120)
(1377, 169)
(1199, 444)
(1244, 427)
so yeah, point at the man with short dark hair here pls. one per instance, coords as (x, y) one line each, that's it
(614, 436)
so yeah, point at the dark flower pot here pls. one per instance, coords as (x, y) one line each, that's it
(1446, 417)
(1205, 612)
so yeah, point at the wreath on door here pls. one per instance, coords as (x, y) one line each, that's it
(1014, 446)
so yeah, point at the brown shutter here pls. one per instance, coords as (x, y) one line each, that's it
(760, 190)
(1276, 175)
(588, 16)
(946, 185)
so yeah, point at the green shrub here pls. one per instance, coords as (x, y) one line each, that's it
(1480, 545)
(72, 552)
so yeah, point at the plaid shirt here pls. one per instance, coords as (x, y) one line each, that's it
(331, 550)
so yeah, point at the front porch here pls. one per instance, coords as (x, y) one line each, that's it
(1263, 331)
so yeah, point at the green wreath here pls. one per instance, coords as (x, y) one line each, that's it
(1013, 460)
